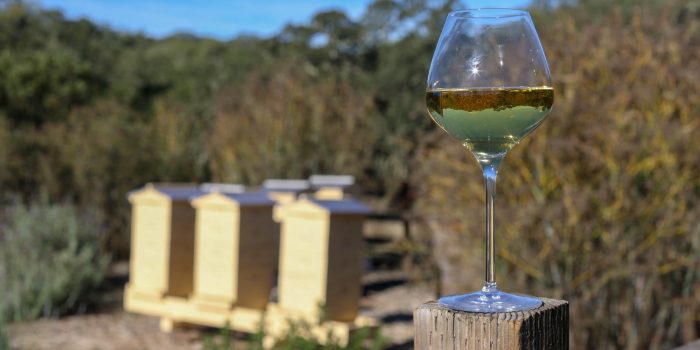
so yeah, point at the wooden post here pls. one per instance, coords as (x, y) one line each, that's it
(546, 328)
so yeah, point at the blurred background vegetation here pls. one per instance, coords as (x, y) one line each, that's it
(602, 202)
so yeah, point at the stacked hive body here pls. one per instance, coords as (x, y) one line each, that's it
(321, 258)
(162, 240)
(236, 250)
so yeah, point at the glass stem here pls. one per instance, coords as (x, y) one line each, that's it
(490, 170)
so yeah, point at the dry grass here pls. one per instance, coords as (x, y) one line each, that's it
(290, 123)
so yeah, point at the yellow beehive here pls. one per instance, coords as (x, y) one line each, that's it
(236, 249)
(283, 192)
(330, 187)
(162, 241)
(321, 258)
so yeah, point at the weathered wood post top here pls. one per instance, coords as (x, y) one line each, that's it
(546, 328)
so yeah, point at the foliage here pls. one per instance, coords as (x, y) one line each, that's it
(600, 206)
(5, 139)
(222, 341)
(299, 337)
(316, 124)
(38, 85)
(4, 340)
(190, 109)
(49, 260)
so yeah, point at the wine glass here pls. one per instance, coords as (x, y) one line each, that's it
(489, 86)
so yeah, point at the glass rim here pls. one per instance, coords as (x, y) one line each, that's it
(488, 12)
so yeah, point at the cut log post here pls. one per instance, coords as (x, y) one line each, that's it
(546, 327)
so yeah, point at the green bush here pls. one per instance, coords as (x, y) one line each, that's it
(113, 155)
(49, 260)
(299, 337)
(221, 341)
(4, 341)
(45, 85)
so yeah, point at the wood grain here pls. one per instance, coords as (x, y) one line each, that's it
(546, 327)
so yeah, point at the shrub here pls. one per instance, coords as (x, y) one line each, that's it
(300, 336)
(221, 341)
(4, 341)
(5, 141)
(115, 153)
(41, 85)
(290, 123)
(50, 260)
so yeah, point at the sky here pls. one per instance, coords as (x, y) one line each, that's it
(221, 19)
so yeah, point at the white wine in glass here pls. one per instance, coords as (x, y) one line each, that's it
(489, 86)
(489, 121)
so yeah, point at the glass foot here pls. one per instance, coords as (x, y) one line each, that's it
(490, 299)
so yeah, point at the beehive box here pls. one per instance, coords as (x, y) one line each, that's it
(331, 187)
(220, 187)
(284, 191)
(162, 241)
(236, 249)
(321, 258)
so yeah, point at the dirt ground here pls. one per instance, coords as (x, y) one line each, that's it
(387, 296)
